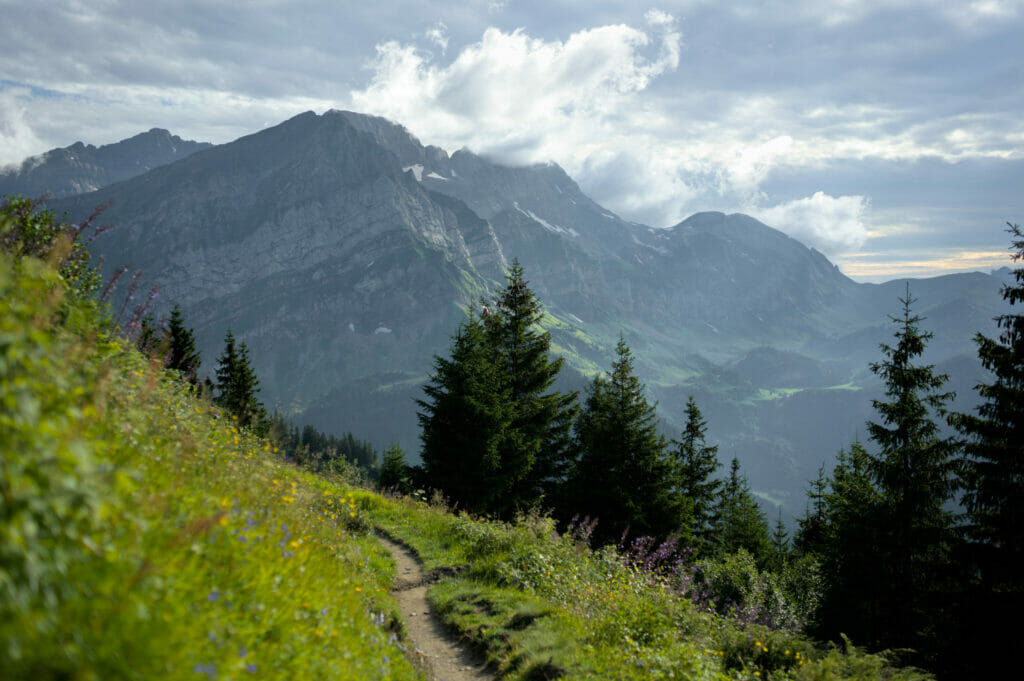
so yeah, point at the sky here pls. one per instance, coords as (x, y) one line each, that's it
(889, 135)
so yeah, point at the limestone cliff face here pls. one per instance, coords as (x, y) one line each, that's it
(83, 168)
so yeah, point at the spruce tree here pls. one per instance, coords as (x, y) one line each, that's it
(237, 385)
(992, 470)
(780, 544)
(182, 355)
(848, 536)
(993, 462)
(695, 462)
(810, 532)
(463, 419)
(394, 474)
(534, 449)
(913, 471)
(740, 523)
(149, 337)
(623, 477)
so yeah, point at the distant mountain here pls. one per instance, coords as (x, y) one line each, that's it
(344, 253)
(84, 168)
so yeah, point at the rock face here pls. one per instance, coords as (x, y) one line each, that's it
(312, 244)
(84, 168)
(344, 252)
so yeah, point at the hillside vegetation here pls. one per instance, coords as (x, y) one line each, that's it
(145, 535)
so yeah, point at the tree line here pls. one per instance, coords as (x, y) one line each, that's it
(498, 439)
(236, 391)
(920, 538)
(915, 540)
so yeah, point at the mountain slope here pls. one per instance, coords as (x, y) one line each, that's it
(309, 242)
(83, 168)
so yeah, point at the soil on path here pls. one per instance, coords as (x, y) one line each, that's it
(444, 657)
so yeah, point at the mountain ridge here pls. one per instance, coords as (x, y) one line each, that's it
(83, 167)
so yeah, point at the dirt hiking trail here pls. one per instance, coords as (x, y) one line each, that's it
(444, 657)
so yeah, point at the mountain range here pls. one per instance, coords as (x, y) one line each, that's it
(345, 253)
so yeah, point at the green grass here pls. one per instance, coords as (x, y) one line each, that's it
(539, 605)
(145, 536)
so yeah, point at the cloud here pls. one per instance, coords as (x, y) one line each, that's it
(518, 98)
(438, 35)
(828, 223)
(879, 267)
(17, 139)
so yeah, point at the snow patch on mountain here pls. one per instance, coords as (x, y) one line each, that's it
(544, 223)
(417, 170)
(657, 249)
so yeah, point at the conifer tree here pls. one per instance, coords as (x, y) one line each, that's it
(182, 355)
(992, 470)
(463, 421)
(622, 476)
(780, 544)
(740, 523)
(853, 518)
(534, 449)
(237, 385)
(149, 337)
(811, 528)
(913, 471)
(394, 474)
(695, 463)
(993, 462)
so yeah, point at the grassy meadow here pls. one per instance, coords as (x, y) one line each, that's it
(145, 536)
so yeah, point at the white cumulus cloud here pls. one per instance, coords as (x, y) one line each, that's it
(519, 98)
(17, 139)
(831, 224)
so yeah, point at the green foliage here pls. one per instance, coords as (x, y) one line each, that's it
(542, 605)
(143, 535)
(462, 422)
(50, 479)
(623, 476)
(695, 462)
(346, 455)
(847, 550)
(182, 355)
(495, 437)
(25, 230)
(740, 523)
(394, 474)
(780, 545)
(743, 592)
(913, 472)
(993, 464)
(992, 475)
(534, 448)
(811, 528)
(237, 386)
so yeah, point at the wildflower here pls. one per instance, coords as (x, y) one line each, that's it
(213, 596)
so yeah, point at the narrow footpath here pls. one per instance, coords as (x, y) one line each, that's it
(445, 658)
